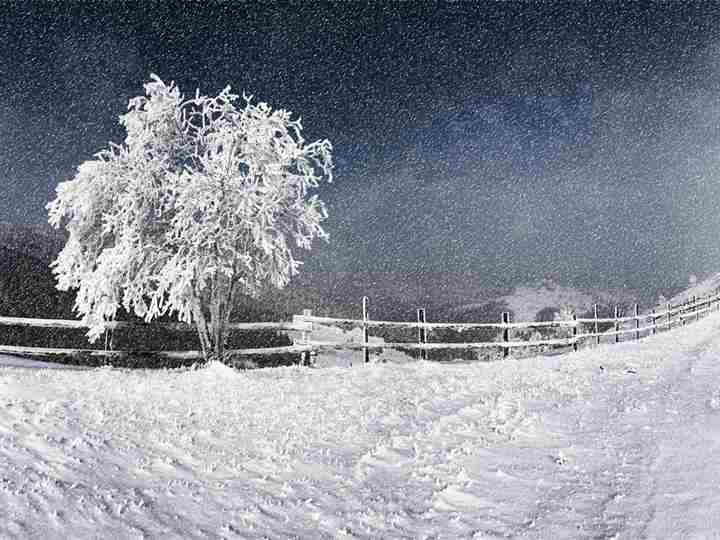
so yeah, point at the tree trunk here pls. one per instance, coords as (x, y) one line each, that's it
(218, 332)
(203, 331)
(212, 321)
(219, 316)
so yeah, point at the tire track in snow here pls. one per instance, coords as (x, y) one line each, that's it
(687, 466)
(610, 488)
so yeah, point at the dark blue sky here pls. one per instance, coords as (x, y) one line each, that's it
(512, 141)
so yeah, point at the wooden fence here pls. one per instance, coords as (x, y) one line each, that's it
(170, 355)
(580, 331)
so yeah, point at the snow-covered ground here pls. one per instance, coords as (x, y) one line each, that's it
(619, 441)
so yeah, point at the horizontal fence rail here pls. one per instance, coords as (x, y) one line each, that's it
(178, 327)
(302, 327)
(323, 345)
(403, 324)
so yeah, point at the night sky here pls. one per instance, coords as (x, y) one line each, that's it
(510, 141)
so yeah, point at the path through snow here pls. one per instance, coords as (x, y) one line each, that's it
(615, 442)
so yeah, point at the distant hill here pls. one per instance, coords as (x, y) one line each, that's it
(27, 287)
(460, 296)
(27, 284)
(40, 241)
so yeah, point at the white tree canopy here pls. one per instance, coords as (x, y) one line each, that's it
(204, 201)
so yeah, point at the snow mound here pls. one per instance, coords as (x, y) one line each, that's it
(218, 369)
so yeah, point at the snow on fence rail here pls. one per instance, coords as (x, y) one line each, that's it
(305, 323)
(180, 327)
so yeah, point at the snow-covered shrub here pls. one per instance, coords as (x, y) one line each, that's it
(566, 313)
(547, 314)
(203, 203)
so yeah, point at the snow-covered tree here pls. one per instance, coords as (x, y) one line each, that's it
(203, 203)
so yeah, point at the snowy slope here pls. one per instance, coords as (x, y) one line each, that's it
(526, 300)
(703, 288)
(616, 442)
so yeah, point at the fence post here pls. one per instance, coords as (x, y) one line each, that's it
(366, 351)
(597, 329)
(637, 322)
(575, 333)
(422, 332)
(654, 328)
(505, 319)
(617, 325)
(305, 337)
(669, 316)
(697, 308)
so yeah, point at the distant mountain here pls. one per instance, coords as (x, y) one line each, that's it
(542, 299)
